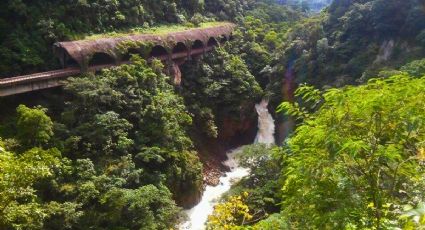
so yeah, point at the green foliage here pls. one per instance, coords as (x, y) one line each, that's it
(133, 109)
(34, 127)
(230, 79)
(261, 31)
(352, 40)
(415, 217)
(139, 100)
(197, 19)
(415, 68)
(107, 134)
(131, 209)
(311, 100)
(263, 182)
(218, 86)
(20, 206)
(274, 221)
(118, 194)
(228, 9)
(229, 215)
(257, 192)
(143, 48)
(356, 160)
(156, 30)
(271, 39)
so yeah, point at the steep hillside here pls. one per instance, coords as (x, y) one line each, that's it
(354, 39)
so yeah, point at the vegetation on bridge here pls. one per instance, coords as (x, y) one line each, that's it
(155, 30)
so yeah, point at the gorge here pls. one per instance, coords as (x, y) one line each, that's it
(198, 215)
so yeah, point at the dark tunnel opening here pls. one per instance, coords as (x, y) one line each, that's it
(212, 42)
(197, 45)
(179, 48)
(101, 59)
(71, 62)
(223, 39)
(158, 51)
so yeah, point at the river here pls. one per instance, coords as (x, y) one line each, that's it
(198, 215)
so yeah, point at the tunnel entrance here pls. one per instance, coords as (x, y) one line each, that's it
(101, 59)
(212, 42)
(223, 39)
(158, 52)
(179, 48)
(198, 45)
(71, 62)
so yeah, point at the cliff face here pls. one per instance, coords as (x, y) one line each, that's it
(354, 39)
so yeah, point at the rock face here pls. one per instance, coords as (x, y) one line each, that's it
(176, 73)
(212, 173)
(385, 51)
(235, 131)
(189, 199)
(212, 151)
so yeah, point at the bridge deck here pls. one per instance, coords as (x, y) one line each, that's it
(40, 76)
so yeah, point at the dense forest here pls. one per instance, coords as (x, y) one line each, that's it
(126, 148)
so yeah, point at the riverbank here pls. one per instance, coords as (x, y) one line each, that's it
(198, 215)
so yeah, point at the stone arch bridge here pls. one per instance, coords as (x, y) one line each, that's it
(95, 54)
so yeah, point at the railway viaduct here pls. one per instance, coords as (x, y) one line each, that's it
(92, 55)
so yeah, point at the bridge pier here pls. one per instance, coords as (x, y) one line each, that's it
(176, 73)
(175, 70)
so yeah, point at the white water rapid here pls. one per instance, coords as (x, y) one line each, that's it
(198, 215)
(265, 134)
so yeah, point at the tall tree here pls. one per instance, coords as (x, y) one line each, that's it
(34, 127)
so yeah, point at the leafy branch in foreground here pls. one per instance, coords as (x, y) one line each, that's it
(311, 98)
(356, 160)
